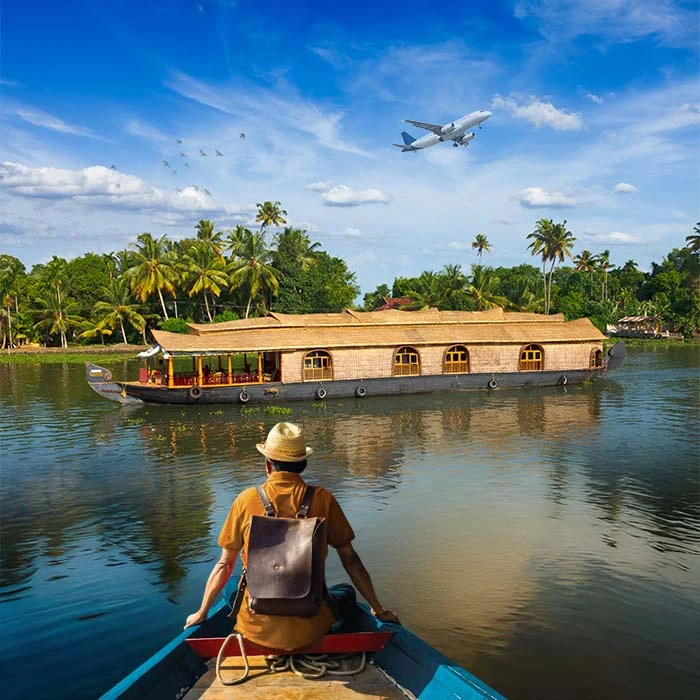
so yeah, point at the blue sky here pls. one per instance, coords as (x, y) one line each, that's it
(596, 120)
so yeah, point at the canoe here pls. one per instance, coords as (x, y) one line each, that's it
(406, 666)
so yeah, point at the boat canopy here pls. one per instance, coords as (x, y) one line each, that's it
(353, 329)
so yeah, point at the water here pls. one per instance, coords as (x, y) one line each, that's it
(547, 540)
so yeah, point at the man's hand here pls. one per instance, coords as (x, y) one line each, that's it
(194, 619)
(386, 616)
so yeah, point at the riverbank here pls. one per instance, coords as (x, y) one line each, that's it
(76, 355)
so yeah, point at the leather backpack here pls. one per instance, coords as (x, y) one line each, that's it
(286, 569)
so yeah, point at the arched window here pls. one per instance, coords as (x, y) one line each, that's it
(531, 358)
(406, 361)
(456, 360)
(596, 358)
(318, 365)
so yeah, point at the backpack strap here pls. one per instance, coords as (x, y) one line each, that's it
(306, 501)
(269, 508)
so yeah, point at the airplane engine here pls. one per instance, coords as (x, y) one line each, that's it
(448, 128)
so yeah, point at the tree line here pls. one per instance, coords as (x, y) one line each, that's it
(221, 276)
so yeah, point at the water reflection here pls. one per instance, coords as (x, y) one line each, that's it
(540, 521)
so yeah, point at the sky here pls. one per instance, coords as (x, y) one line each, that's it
(596, 121)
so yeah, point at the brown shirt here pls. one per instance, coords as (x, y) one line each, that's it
(285, 490)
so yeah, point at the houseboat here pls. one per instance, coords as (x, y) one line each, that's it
(281, 357)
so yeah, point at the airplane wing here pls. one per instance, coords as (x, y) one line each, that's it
(435, 128)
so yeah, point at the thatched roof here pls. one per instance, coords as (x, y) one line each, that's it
(359, 329)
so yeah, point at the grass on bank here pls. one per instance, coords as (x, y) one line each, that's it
(78, 355)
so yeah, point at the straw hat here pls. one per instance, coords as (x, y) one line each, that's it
(285, 443)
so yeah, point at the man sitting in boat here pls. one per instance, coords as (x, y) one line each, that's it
(286, 455)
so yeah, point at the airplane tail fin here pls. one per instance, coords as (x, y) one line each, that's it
(407, 138)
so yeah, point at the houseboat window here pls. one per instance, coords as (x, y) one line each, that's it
(531, 358)
(456, 360)
(406, 361)
(596, 358)
(318, 365)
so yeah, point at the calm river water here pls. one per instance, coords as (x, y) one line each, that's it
(547, 540)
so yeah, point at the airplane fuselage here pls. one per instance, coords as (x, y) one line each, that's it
(454, 131)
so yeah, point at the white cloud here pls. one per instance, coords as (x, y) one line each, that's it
(625, 188)
(319, 186)
(536, 197)
(47, 121)
(613, 20)
(614, 238)
(595, 98)
(101, 187)
(352, 232)
(344, 196)
(539, 113)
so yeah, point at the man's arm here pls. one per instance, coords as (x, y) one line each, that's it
(363, 583)
(218, 577)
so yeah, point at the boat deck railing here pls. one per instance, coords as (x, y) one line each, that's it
(212, 379)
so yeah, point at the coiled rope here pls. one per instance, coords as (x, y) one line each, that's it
(312, 666)
(307, 666)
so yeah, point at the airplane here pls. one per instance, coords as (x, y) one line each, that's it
(218, 153)
(454, 131)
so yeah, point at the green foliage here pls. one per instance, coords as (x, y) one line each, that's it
(174, 325)
(225, 315)
(277, 410)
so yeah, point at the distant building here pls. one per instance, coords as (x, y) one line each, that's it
(637, 327)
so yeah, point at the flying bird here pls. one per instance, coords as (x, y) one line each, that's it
(112, 167)
(202, 153)
(242, 135)
(174, 172)
(166, 164)
(207, 192)
(178, 140)
(187, 165)
(182, 155)
(218, 153)
(118, 186)
(178, 190)
(195, 188)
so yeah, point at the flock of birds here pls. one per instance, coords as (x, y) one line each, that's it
(185, 162)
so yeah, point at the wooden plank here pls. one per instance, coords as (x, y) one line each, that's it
(208, 647)
(262, 684)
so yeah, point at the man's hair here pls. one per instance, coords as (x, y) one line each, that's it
(279, 466)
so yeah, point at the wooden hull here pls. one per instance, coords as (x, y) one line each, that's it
(407, 662)
(281, 392)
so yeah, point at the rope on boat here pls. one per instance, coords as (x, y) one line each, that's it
(220, 656)
(308, 666)
(312, 666)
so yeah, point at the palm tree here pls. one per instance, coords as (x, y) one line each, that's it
(541, 238)
(481, 244)
(11, 272)
(270, 214)
(295, 244)
(117, 308)
(57, 317)
(603, 262)
(154, 270)
(694, 240)
(205, 233)
(252, 269)
(205, 271)
(482, 289)
(586, 262)
(236, 241)
(427, 293)
(560, 243)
